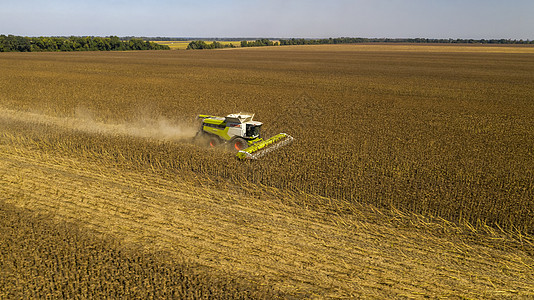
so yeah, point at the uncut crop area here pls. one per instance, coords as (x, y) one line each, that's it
(411, 173)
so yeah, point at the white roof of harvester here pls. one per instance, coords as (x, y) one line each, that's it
(240, 118)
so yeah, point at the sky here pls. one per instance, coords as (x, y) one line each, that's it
(477, 19)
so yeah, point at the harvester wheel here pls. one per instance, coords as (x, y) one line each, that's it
(240, 144)
(213, 142)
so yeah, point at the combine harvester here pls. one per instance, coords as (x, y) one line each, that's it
(241, 133)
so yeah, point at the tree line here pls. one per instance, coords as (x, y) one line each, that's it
(348, 40)
(11, 43)
(199, 45)
(258, 43)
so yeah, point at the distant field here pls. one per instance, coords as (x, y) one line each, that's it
(430, 48)
(181, 45)
(411, 174)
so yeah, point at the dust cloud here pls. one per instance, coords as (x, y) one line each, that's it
(84, 120)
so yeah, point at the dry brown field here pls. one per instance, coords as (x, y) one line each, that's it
(411, 174)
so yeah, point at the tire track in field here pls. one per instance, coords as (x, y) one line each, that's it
(293, 249)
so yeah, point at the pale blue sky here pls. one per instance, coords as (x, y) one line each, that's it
(477, 19)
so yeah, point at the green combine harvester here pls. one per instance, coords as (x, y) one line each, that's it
(241, 133)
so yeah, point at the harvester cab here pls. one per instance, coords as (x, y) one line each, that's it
(241, 133)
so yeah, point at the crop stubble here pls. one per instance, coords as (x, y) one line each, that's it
(438, 133)
(312, 252)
